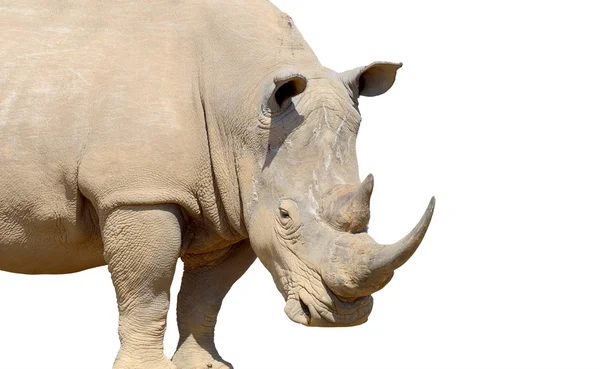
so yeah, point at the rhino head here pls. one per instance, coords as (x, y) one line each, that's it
(306, 211)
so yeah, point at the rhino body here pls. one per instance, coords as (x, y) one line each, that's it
(135, 133)
(102, 106)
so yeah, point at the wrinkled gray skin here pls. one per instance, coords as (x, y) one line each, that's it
(132, 134)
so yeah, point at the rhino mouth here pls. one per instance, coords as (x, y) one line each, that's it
(305, 310)
(327, 310)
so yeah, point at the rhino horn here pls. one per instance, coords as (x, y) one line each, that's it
(390, 257)
(348, 207)
(359, 266)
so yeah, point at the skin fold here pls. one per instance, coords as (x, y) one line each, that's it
(136, 133)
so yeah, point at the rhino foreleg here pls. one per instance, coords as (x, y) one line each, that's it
(202, 291)
(141, 247)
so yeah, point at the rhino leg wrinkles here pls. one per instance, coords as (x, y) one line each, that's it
(142, 244)
(203, 289)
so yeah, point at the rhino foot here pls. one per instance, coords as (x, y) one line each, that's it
(125, 362)
(202, 362)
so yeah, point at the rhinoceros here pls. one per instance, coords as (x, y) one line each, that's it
(133, 134)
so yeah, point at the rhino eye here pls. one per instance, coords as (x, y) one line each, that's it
(288, 212)
(284, 213)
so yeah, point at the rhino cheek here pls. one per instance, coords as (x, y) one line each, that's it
(261, 238)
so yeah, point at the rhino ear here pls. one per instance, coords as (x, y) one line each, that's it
(283, 89)
(372, 80)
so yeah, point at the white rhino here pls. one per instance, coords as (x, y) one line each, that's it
(136, 133)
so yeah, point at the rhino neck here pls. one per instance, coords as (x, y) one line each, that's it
(238, 45)
(219, 192)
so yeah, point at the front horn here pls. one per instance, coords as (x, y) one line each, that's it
(391, 257)
(358, 266)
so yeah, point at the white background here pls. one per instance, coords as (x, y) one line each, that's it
(495, 112)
